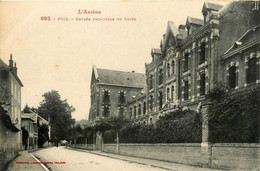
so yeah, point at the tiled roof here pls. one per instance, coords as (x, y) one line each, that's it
(196, 21)
(244, 43)
(131, 79)
(212, 6)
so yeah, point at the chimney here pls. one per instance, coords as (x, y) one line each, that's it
(15, 69)
(182, 27)
(11, 61)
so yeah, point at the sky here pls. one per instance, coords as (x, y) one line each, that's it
(58, 55)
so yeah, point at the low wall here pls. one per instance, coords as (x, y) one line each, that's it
(178, 153)
(227, 156)
(236, 156)
(83, 146)
(9, 145)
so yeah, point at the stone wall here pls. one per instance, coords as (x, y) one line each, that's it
(83, 146)
(223, 156)
(177, 153)
(236, 156)
(9, 145)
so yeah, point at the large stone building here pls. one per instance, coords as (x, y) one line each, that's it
(111, 91)
(10, 111)
(193, 58)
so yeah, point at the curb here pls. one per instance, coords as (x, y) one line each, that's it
(72, 148)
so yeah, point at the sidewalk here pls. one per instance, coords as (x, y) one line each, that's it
(24, 162)
(150, 162)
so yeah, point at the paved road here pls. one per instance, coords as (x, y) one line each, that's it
(77, 160)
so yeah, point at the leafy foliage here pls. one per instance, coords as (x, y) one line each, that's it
(59, 112)
(176, 127)
(43, 135)
(234, 118)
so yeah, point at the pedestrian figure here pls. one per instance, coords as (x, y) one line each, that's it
(25, 136)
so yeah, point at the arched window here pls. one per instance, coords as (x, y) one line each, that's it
(202, 52)
(251, 71)
(186, 62)
(173, 68)
(172, 94)
(168, 70)
(202, 84)
(232, 80)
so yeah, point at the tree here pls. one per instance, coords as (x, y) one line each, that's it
(43, 136)
(58, 112)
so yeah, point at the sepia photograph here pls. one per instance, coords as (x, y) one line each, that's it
(123, 85)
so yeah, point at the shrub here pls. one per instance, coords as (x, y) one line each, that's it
(234, 118)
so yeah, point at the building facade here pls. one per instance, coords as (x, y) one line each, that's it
(195, 57)
(111, 91)
(10, 111)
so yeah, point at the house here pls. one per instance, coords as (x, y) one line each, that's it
(111, 91)
(32, 122)
(10, 111)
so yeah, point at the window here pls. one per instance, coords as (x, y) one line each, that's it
(106, 111)
(232, 77)
(139, 109)
(106, 97)
(172, 94)
(160, 76)
(168, 93)
(121, 111)
(130, 112)
(151, 103)
(202, 84)
(144, 108)
(168, 70)
(186, 90)
(151, 81)
(251, 71)
(134, 111)
(173, 68)
(121, 99)
(202, 52)
(160, 100)
(186, 62)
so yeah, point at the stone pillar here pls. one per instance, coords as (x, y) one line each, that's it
(206, 150)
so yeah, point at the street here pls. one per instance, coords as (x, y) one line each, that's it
(62, 158)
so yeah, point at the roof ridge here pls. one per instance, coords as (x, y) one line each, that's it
(119, 71)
